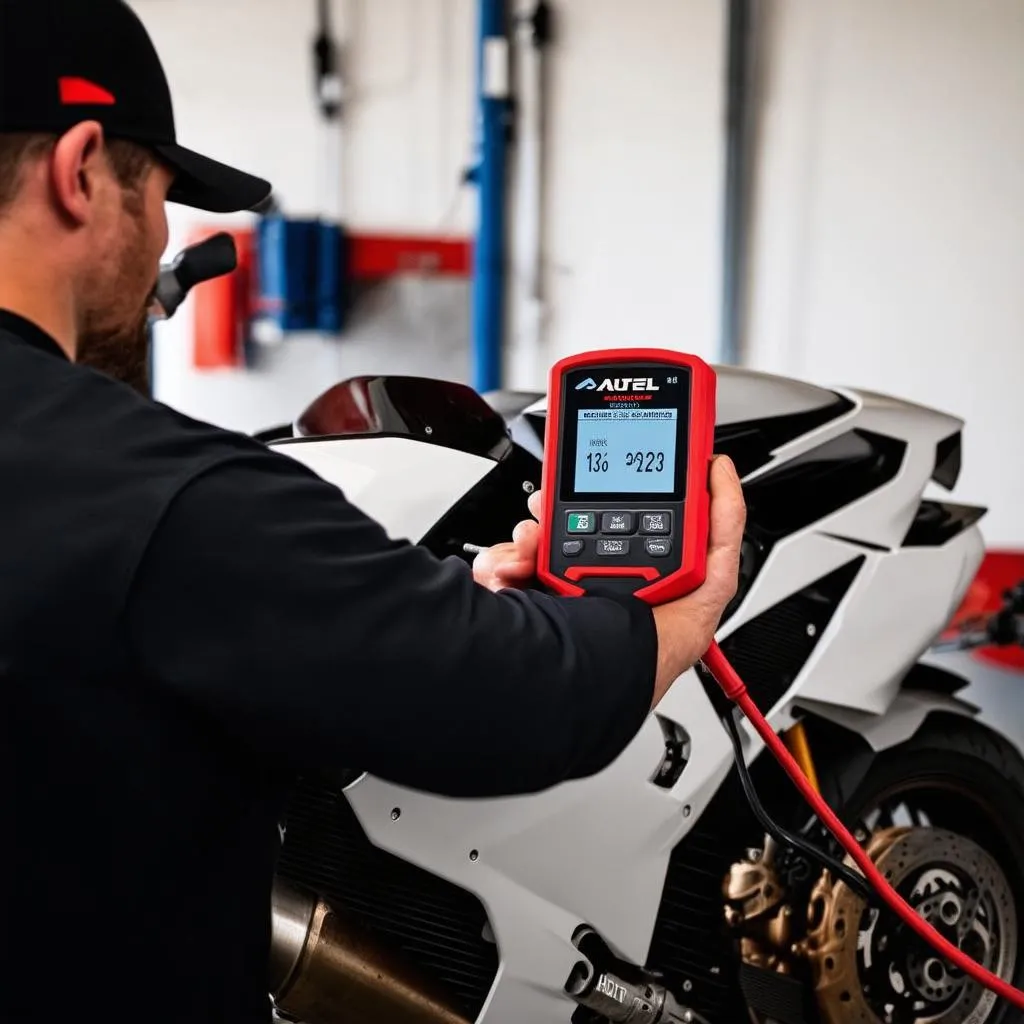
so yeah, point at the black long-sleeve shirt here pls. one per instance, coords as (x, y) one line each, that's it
(188, 621)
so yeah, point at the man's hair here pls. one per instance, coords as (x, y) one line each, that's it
(17, 150)
(130, 161)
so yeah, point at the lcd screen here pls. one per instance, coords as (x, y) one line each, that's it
(628, 451)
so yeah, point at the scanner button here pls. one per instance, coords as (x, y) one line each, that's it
(613, 547)
(571, 548)
(658, 547)
(617, 522)
(656, 522)
(581, 522)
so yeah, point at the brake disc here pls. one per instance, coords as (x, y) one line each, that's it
(870, 968)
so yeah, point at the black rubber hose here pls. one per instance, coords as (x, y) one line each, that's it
(855, 881)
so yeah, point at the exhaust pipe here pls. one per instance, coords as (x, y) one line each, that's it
(324, 971)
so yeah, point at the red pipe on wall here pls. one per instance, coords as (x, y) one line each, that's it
(224, 307)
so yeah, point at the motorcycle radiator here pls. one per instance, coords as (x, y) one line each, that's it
(439, 928)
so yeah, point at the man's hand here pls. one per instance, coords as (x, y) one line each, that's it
(511, 564)
(685, 627)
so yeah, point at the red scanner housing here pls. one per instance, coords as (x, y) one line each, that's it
(627, 452)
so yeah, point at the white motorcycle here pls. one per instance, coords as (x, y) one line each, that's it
(679, 884)
(686, 882)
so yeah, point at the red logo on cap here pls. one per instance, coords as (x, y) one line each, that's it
(75, 91)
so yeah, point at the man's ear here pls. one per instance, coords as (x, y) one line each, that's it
(75, 169)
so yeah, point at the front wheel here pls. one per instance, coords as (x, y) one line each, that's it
(943, 817)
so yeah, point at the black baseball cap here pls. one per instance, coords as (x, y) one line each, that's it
(67, 61)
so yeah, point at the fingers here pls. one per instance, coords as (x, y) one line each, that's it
(526, 536)
(509, 564)
(491, 568)
(686, 627)
(728, 509)
(483, 567)
(520, 561)
(535, 504)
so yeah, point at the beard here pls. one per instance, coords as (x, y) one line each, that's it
(113, 334)
(120, 350)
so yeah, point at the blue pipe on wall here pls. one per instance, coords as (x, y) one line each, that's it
(488, 319)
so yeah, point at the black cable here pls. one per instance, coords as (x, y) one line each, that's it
(855, 881)
(541, 23)
(325, 63)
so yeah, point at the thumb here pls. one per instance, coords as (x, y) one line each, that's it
(728, 517)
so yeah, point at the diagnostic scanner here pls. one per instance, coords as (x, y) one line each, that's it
(627, 452)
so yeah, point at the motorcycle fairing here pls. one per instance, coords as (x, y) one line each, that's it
(596, 851)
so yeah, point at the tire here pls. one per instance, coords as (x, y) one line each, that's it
(968, 780)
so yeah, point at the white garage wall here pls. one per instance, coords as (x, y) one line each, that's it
(635, 99)
(241, 74)
(887, 244)
(889, 238)
(634, 196)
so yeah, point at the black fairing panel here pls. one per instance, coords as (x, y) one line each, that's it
(933, 679)
(822, 481)
(490, 511)
(937, 522)
(750, 443)
(808, 488)
(770, 650)
(948, 460)
(434, 411)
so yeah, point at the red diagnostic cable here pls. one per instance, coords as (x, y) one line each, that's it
(734, 688)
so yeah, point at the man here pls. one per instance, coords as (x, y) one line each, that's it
(188, 620)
